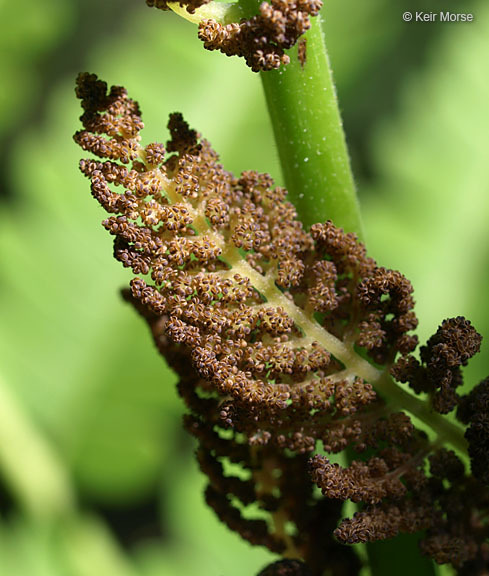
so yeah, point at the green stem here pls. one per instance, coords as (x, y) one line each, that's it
(309, 134)
(306, 120)
(446, 430)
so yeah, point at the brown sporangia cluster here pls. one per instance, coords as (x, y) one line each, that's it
(439, 372)
(275, 481)
(261, 39)
(473, 410)
(284, 341)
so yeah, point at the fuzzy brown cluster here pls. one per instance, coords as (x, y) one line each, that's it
(439, 372)
(474, 411)
(270, 328)
(241, 475)
(262, 39)
(450, 506)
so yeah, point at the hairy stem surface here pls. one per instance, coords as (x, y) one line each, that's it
(309, 134)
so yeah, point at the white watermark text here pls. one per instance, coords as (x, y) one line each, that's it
(420, 16)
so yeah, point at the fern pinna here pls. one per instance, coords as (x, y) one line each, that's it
(292, 346)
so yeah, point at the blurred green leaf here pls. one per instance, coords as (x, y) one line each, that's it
(428, 216)
(26, 549)
(80, 546)
(27, 34)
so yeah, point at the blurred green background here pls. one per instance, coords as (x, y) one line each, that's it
(88, 411)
